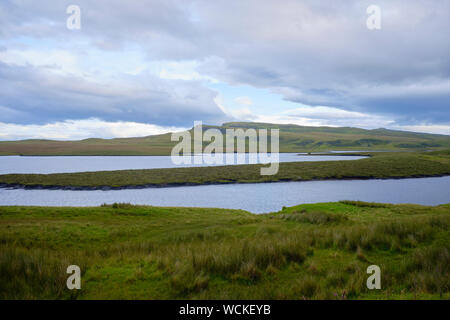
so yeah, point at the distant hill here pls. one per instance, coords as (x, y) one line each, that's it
(293, 138)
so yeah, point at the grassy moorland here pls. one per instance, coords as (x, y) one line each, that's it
(293, 138)
(311, 251)
(379, 166)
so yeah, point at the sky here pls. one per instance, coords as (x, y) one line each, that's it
(143, 67)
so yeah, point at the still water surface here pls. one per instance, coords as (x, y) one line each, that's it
(63, 164)
(256, 198)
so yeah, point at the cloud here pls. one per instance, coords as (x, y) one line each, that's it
(56, 60)
(334, 117)
(321, 53)
(318, 116)
(316, 53)
(81, 129)
(35, 95)
(438, 129)
(246, 101)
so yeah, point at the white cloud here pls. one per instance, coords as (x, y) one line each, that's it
(430, 128)
(58, 61)
(244, 114)
(317, 116)
(325, 113)
(82, 129)
(244, 101)
(180, 70)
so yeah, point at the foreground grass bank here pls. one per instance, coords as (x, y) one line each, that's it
(379, 166)
(314, 251)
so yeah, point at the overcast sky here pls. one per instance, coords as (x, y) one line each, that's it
(141, 67)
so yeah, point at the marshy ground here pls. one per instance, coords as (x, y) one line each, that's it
(311, 251)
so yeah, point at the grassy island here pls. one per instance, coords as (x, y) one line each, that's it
(377, 166)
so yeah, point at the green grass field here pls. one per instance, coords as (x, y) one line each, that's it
(380, 165)
(311, 251)
(293, 138)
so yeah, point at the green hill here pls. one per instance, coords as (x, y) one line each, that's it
(293, 138)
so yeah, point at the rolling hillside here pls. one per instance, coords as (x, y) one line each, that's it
(293, 138)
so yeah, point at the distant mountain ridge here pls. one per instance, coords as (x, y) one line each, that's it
(293, 138)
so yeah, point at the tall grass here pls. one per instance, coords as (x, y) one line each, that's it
(212, 253)
(314, 217)
(364, 204)
(34, 274)
(428, 269)
(191, 263)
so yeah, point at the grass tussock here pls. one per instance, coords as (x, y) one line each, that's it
(428, 270)
(389, 235)
(314, 217)
(34, 274)
(234, 260)
(119, 205)
(363, 204)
